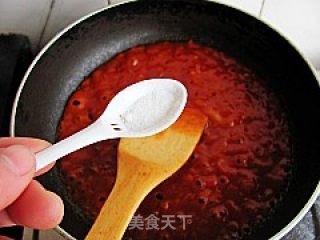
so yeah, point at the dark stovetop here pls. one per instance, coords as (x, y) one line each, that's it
(15, 56)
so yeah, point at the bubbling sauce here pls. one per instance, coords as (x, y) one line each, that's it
(237, 171)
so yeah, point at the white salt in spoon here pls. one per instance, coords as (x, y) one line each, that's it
(140, 110)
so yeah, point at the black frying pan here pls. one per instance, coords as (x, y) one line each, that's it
(71, 56)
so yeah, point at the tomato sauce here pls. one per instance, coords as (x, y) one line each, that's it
(239, 168)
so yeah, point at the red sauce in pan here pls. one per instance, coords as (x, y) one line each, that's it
(239, 168)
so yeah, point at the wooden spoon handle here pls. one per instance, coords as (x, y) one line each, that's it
(143, 163)
(132, 185)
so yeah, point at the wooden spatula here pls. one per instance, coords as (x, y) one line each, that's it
(143, 163)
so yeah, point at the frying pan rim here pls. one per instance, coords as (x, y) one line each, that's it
(63, 232)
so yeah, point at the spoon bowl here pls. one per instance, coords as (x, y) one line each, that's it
(142, 109)
(115, 113)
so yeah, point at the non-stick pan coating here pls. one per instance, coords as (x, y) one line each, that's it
(100, 37)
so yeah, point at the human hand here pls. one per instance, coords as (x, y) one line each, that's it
(23, 201)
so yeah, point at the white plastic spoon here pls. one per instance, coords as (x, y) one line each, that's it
(140, 110)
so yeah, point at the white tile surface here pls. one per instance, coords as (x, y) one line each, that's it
(27, 234)
(117, 1)
(251, 6)
(65, 12)
(299, 20)
(24, 16)
(44, 235)
(51, 235)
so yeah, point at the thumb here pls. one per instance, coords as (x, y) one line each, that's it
(17, 168)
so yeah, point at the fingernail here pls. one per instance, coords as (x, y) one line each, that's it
(18, 159)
